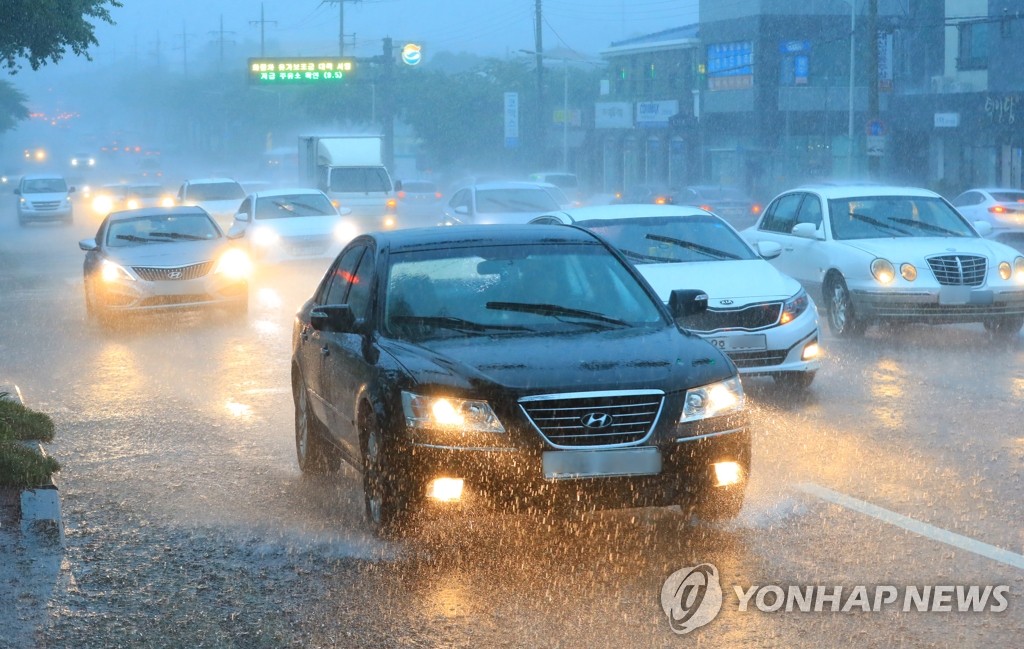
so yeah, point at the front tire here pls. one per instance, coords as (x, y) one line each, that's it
(388, 501)
(842, 318)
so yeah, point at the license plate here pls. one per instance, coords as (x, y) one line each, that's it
(745, 342)
(561, 465)
(953, 295)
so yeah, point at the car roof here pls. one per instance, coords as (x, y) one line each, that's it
(509, 184)
(156, 211)
(42, 176)
(993, 189)
(632, 211)
(208, 181)
(286, 191)
(403, 240)
(854, 190)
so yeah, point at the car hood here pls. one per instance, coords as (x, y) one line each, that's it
(178, 253)
(745, 280)
(299, 225)
(915, 249)
(663, 359)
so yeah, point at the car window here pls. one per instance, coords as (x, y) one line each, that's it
(44, 186)
(782, 214)
(525, 199)
(293, 205)
(360, 287)
(460, 199)
(419, 187)
(359, 179)
(215, 191)
(336, 290)
(1008, 197)
(810, 211)
(968, 198)
(245, 207)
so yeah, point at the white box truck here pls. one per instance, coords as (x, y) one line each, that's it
(350, 169)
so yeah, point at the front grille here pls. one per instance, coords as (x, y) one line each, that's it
(308, 245)
(755, 316)
(959, 270)
(173, 300)
(45, 205)
(178, 273)
(757, 359)
(629, 417)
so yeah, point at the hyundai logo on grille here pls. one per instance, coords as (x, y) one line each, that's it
(596, 420)
(174, 274)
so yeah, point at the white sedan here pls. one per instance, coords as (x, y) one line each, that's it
(1002, 208)
(763, 320)
(291, 224)
(897, 254)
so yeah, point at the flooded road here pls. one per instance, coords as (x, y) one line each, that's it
(189, 524)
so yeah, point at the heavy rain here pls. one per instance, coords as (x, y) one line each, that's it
(549, 323)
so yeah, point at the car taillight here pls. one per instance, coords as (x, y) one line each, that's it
(707, 208)
(755, 208)
(401, 193)
(437, 195)
(997, 209)
(660, 200)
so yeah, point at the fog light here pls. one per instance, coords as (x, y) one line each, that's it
(727, 473)
(811, 350)
(389, 222)
(446, 490)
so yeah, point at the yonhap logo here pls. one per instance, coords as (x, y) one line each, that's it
(691, 597)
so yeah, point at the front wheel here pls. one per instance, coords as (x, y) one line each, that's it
(388, 502)
(842, 318)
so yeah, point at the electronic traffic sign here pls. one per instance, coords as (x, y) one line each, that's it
(283, 71)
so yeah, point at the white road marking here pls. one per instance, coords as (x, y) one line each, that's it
(916, 526)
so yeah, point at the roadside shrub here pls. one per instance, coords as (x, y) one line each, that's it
(19, 422)
(22, 467)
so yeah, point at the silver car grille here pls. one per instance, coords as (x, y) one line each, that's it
(594, 418)
(959, 270)
(177, 273)
(45, 205)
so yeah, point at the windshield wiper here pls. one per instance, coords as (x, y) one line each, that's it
(632, 254)
(177, 235)
(696, 247)
(927, 226)
(556, 311)
(457, 324)
(132, 237)
(878, 224)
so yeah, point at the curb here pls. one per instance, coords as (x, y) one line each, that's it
(38, 508)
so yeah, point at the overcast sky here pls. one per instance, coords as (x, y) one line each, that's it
(310, 27)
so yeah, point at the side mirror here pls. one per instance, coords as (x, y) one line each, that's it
(768, 249)
(344, 211)
(17, 190)
(984, 228)
(462, 209)
(333, 317)
(71, 190)
(807, 231)
(242, 216)
(87, 244)
(683, 303)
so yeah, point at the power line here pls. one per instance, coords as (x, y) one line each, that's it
(262, 22)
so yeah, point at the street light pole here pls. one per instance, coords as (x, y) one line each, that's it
(849, 126)
(565, 118)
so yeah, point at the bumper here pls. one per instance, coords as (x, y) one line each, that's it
(938, 307)
(782, 349)
(60, 214)
(516, 477)
(140, 295)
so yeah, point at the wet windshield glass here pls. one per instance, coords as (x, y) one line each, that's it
(525, 199)
(44, 186)
(292, 205)
(160, 229)
(895, 216)
(215, 192)
(672, 239)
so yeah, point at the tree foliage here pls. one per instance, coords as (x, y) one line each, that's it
(12, 106)
(42, 31)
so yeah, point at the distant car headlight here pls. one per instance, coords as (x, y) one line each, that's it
(103, 204)
(448, 414)
(344, 232)
(794, 306)
(1005, 270)
(1018, 269)
(883, 271)
(234, 263)
(908, 271)
(713, 400)
(133, 203)
(74, 162)
(113, 272)
(265, 237)
(167, 201)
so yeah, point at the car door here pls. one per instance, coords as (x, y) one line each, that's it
(243, 216)
(777, 226)
(346, 363)
(312, 343)
(803, 258)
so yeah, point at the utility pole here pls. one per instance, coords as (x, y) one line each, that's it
(874, 161)
(262, 22)
(538, 47)
(341, 24)
(388, 102)
(221, 40)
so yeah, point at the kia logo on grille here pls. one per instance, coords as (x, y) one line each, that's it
(725, 301)
(596, 420)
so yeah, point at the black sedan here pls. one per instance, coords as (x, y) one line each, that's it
(521, 364)
(160, 258)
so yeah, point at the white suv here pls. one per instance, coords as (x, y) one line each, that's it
(44, 197)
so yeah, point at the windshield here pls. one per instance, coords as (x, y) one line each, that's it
(359, 179)
(520, 199)
(672, 239)
(162, 228)
(503, 290)
(1008, 197)
(878, 217)
(292, 205)
(419, 187)
(44, 186)
(144, 191)
(225, 191)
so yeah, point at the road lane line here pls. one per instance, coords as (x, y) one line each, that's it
(916, 526)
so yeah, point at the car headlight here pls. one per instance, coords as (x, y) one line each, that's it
(264, 237)
(794, 306)
(133, 203)
(448, 413)
(345, 232)
(234, 263)
(908, 271)
(883, 271)
(713, 400)
(103, 204)
(1018, 270)
(113, 272)
(1005, 270)
(167, 201)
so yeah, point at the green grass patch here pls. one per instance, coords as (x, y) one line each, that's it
(21, 465)
(19, 422)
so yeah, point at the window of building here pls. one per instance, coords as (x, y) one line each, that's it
(973, 47)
